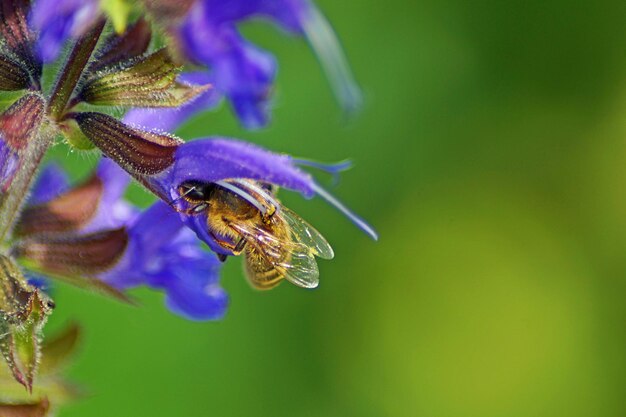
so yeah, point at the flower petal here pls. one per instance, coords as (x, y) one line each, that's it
(164, 255)
(51, 182)
(242, 72)
(216, 159)
(59, 20)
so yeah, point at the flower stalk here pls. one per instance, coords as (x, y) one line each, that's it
(26, 142)
(216, 190)
(27, 133)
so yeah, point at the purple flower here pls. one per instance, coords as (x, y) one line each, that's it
(214, 160)
(157, 250)
(163, 163)
(87, 234)
(52, 182)
(165, 255)
(59, 20)
(241, 71)
(9, 165)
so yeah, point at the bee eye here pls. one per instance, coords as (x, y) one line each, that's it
(194, 191)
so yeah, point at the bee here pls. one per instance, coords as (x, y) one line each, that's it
(244, 216)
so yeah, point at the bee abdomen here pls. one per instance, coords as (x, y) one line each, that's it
(260, 273)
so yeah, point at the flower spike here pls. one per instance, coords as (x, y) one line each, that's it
(216, 190)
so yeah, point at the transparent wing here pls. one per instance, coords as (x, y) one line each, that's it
(293, 260)
(300, 269)
(307, 235)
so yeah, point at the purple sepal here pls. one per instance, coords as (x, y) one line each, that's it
(112, 211)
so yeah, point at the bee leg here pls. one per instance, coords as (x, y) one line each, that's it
(240, 245)
(222, 257)
(269, 213)
(235, 249)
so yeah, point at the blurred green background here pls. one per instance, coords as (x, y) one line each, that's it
(491, 157)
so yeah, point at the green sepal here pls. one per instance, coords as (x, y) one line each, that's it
(74, 136)
(148, 81)
(24, 310)
(51, 387)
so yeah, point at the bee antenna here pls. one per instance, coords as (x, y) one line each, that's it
(243, 194)
(171, 203)
(266, 195)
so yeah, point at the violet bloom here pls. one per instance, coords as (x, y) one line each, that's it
(243, 72)
(126, 248)
(60, 20)
(162, 163)
(220, 190)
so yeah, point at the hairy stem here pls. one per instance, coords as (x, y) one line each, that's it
(73, 70)
(29, 140)
(25, 140)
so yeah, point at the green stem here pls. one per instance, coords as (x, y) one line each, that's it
(39, 140)
(73, 70)
(12, 201)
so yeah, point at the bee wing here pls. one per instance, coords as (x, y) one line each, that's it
(301, 268)
(293, 260)
(307, 235)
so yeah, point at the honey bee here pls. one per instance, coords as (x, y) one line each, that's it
(244, 217)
